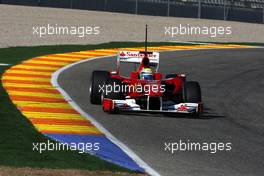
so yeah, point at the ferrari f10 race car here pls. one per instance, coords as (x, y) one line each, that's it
(144, 90)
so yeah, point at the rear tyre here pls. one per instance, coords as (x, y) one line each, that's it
(192, 92)
(97, 81)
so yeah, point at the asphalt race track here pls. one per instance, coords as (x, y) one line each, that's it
(232, 82)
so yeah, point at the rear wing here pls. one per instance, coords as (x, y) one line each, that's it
(136, 57)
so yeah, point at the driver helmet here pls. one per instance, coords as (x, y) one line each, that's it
(146, 74)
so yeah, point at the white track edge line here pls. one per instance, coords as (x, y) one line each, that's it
(2, 64)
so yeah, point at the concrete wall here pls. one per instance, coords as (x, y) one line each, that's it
(16, 23)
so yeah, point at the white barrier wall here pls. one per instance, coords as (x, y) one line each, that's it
(17, 23)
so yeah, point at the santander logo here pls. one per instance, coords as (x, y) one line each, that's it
(135, 54)
(122, 54)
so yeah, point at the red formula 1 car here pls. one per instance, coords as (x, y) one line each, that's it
(144, 90)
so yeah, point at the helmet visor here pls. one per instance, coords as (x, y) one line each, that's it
(147, 77)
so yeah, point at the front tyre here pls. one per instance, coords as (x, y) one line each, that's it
(115, 91)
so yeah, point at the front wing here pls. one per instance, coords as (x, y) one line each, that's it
(129, 105)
